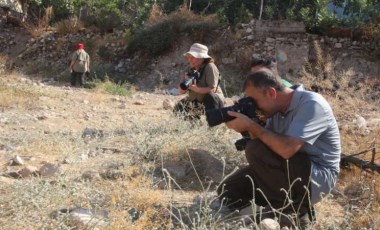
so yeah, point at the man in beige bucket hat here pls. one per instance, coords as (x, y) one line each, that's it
(201, 83)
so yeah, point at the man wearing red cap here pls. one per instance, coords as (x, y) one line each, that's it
(79, 66)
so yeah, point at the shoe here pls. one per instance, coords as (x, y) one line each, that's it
(303, 221)
(254, 214)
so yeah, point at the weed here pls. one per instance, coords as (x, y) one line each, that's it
(69, 25)
(162, 35)
(17, 95)
(109, 87)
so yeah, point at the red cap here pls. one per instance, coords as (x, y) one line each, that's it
(80, 46)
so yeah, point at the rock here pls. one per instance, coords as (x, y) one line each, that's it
(173, 91)
(6, 147)
(28, 171)
(14, 175)
(168, 104)
(338, 45)
(42, 117)
(270, 40)
(138, 103)
(48, 169)
(17, 160)
(92, 133)
(207, 166)
(269, 224)
(177, 171)
(360, 122)
(134, 214)
(112, 174)
(90, 175)
(80, 218)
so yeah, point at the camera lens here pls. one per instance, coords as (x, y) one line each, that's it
(217, 116)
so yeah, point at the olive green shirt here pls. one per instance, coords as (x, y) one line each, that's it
(209, 78)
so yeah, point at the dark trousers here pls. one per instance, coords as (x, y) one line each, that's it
(77, 77)
(271, 174)
(194, 109)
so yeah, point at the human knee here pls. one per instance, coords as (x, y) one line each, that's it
(257, 152)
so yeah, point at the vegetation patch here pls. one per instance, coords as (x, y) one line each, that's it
(159, 37)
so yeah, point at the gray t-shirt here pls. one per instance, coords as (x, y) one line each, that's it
(309, 118)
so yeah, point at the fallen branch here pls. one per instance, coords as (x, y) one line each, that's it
(357, 161)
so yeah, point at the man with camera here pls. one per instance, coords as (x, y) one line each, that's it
(201, 83)
(292, 162)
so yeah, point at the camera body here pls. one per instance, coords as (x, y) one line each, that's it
(192, 75)
(245, 106)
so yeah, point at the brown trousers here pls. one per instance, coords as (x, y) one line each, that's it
(271, 174)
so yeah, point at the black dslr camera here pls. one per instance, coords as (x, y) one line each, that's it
(245, 106)
(193, 75)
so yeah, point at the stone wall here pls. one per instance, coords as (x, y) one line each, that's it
(292, 46)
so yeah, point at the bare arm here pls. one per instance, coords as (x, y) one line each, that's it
(72, 64)
(202, 90)
(283, 145)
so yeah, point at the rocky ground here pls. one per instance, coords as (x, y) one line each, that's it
(74, 157)
(90, 158)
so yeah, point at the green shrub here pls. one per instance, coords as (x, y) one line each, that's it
(159, 37)
(101, 71)
(112, 88)
(105, 15)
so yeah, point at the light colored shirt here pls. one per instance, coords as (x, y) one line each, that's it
(81, 60)
(310, 118)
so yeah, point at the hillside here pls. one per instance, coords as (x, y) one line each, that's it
(116, 156)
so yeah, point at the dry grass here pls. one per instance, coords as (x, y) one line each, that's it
(42, 25)
(70, 25)
(146, 138)
(17, 95)
(144, 144)
(352, 97)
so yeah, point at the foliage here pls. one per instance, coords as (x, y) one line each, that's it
(357, 11)
(239, 10)
(197, 6)
(69, 25)
(105, 15)
(114, 89)
(159, 37)
(132, 14)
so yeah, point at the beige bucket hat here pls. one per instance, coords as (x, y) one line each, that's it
(198, 50)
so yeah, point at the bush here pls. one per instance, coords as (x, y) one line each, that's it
(156, 38)
(69, 25)
(105, 15)
(112, 88)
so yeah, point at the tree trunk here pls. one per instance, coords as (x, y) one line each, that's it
(261, 8)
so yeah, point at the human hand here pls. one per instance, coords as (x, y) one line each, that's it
(193, 88)
(185, 76)
(241, 122)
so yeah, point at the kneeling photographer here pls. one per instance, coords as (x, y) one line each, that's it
(292, 162)
(201, 83)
